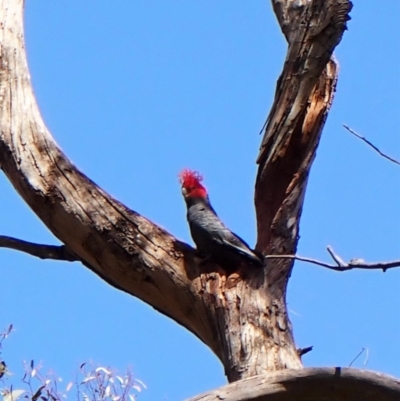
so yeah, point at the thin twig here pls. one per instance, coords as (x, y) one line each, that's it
(38, 250)
(335, 257)
(366, 356)
(362, 350)
(340, 266)
(302, 259)
(371, 144)
(303, 351)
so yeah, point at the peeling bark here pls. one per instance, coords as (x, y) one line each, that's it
(242, 316)
(303, 98)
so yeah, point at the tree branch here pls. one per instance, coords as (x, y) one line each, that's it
(303, 97)
(38, 250)
(328, 384)
(371, 145)
(122, 247)
(242, 317)
(340, 266)
(303, 351)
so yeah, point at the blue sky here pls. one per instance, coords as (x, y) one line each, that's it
(134, 91)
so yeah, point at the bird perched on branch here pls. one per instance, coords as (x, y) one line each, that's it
(212, 238)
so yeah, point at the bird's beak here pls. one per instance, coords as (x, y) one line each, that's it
(184, 191)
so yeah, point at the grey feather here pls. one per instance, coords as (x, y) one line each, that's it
(213, 238)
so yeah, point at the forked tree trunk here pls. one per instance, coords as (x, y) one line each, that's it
(242, 317)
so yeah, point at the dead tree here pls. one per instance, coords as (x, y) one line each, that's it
(242, 316)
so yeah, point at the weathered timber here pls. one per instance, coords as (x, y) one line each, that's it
(312, 384)
(242, 316)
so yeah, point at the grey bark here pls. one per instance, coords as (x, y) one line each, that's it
(312, 384)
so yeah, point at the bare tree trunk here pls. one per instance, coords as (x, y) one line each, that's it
(241, 316)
